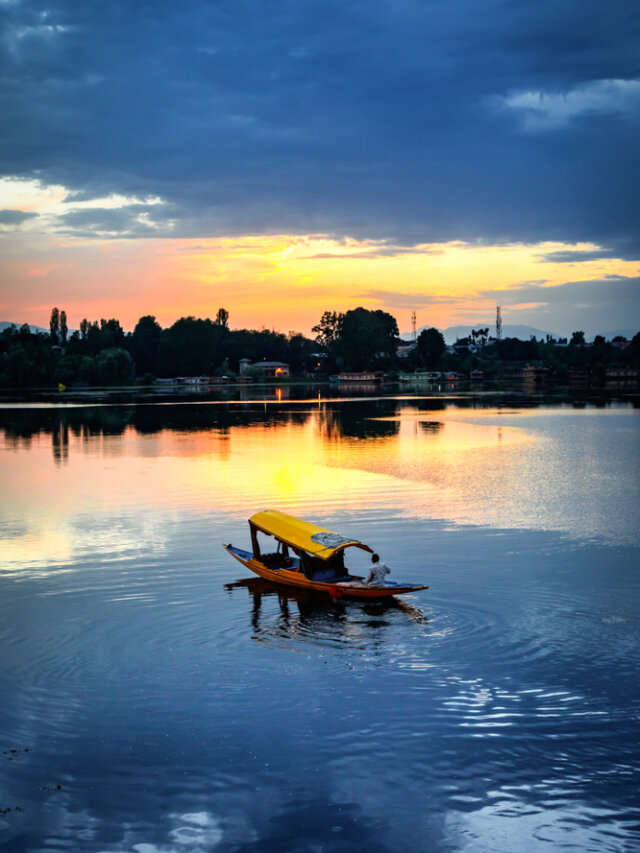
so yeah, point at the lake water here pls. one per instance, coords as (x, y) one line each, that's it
(156, 698)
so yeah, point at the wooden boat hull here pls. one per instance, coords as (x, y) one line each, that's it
(354, 588)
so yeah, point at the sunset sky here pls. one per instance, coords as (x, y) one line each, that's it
(282, 159)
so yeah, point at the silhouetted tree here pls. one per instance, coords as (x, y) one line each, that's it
(84, 328)
(480, 336)
(145, 343)
(190, 347)
(329, 329)
(111, 333)
(54, 324)
(63, 327)
(367, 338)
(300, 349)
(358, 339)
(577, 339)
(222, 318)
(430, 346)
(114, 366)
(513, 349)
(66, 369)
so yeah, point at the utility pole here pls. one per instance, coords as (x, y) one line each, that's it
(498, 323)
(413, 325)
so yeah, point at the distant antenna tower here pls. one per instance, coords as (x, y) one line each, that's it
(498, 323)
(413, 325)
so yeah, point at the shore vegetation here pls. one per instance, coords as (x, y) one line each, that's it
(101, 353)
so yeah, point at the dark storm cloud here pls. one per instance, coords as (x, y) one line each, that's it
(135, 220)
(405, 121)
(624, 289)
(573, 256)
(15, 217)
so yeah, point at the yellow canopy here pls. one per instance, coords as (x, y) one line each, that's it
(315, 540)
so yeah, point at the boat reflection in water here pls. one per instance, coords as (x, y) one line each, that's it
(310, 613)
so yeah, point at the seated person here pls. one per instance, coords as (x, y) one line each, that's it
(377, 572)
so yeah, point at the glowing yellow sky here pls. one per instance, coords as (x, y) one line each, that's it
(298, 278)
(281, 281)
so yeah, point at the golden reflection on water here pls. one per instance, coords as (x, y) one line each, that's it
(304, 463)
(435, 464)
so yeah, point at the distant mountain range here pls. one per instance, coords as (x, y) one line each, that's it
(4, 324)
(524, 333)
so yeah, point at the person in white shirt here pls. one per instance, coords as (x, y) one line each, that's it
(377, 572)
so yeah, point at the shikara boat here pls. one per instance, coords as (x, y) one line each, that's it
(310, 557)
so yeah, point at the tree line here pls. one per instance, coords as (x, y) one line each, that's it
(560, 357)
(102, 353)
